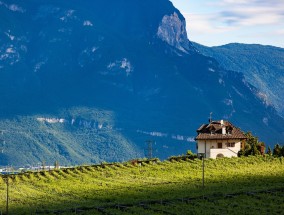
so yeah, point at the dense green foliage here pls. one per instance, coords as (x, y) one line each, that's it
(252, 146)
(189, 155)
(232, 185)
(84, 135)
(278, 151)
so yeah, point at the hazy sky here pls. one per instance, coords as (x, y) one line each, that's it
(218, 22)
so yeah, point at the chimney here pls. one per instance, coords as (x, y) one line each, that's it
(223, 126)
(224, 130)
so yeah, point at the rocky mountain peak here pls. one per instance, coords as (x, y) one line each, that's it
(172, 30)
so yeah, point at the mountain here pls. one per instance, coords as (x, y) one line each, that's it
(91, 82)
(262, 66)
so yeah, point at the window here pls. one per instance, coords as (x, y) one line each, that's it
(230, 144)
(219, 145)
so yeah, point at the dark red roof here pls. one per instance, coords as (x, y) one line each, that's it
(213, 131)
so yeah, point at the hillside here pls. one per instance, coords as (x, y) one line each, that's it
(91, 82)
(262, 66)
(248, 185)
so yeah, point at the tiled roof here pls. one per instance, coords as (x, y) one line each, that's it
(213, 131)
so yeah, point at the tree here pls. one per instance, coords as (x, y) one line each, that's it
(261, 147)
(254, 150)
(277, 150)
(282, 151)
(269, 152)
(241, 153)
(189, 152)
(252, 146)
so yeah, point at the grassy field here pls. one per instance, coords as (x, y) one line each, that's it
(251, 185)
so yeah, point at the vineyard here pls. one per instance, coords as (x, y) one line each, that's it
(250, 185)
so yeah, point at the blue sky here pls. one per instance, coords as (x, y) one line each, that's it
(218, 22)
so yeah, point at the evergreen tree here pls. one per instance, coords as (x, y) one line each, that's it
(269, 152)
(282, 151)
(277, 150)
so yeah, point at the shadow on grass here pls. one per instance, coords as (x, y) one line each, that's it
(60, 199)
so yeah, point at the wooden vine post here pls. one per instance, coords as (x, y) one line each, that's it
(7, 193)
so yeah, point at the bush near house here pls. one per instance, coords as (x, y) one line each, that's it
(252, 146)
(189, 156)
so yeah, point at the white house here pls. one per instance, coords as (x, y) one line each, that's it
(219, 139)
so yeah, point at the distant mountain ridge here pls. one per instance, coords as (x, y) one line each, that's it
(91, 82)
(263, 67)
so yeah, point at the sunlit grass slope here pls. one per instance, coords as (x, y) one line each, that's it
(254, 184)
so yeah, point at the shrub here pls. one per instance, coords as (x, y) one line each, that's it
(252, 146)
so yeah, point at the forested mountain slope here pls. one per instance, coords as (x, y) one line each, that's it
(263, 67)
(91, 82)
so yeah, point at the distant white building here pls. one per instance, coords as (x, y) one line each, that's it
(219, 139)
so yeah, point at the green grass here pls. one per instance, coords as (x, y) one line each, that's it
(107, 186)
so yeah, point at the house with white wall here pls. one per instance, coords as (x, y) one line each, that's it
(219, 139)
